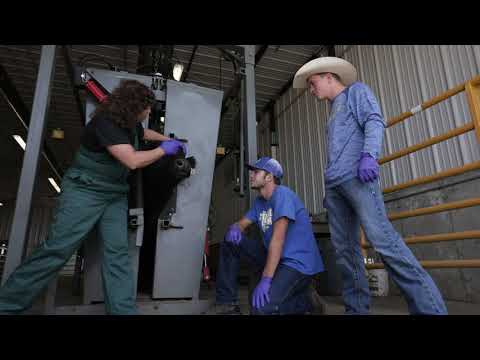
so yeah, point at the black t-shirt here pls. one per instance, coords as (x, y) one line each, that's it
(101, 132)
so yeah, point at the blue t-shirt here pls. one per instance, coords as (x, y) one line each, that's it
(300, 250)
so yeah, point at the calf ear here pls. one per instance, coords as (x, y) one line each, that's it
(192, 161)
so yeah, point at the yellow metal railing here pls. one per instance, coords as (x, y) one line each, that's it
(472, 89)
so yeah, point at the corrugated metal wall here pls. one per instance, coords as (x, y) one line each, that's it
(301, 136)
(402, 77)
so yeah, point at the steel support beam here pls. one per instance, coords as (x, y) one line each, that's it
(243, 129)
(250, 112)
(21, 217)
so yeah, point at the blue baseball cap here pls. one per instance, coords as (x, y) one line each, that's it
(269, 165)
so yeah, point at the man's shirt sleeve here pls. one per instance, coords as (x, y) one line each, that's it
(283, 206)
(369, 116)
(252, 214)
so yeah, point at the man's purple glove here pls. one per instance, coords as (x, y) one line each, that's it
(234, 234)
(171, 147)
(368, 168)
(260, 294)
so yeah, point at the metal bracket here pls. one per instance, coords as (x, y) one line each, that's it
(158, 82)
(136, 221)
(135, 217)
(167, 223)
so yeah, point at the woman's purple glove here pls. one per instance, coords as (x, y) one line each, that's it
(234, 234)
(172, 147)
(183, 146)
(368, 168)
(260, 294)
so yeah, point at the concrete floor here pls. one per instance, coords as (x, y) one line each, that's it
(391, 305)
(396, 305)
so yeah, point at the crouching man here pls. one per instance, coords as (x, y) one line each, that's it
(289, 255)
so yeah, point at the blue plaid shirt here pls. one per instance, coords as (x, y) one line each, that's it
(355, 125)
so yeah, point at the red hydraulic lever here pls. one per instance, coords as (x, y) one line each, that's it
(95, 90)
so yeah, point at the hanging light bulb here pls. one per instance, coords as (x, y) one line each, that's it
(177, 71)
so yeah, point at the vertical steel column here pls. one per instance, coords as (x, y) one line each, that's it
(251, 111)
(21, 217)
(242, 169)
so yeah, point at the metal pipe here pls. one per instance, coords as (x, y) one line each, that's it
(427, 104)
(435, 140)
(71, 75)
(433, 101)
(441, 175)
(438, 264)
(190, 63)
(474, 234)
(473, 97)
(435, 209)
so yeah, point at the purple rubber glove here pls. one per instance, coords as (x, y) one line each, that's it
(234, 234)
(368, 168)
(260, 294)
(171, 147)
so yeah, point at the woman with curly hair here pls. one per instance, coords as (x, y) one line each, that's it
(94, 193)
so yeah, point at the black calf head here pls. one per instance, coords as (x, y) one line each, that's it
(160, 178)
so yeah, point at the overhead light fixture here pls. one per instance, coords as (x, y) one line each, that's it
(1, 204)
(54, 184)
(177, 71)
(20, 141)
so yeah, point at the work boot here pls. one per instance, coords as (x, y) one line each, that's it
(227, 309)
(319, 307)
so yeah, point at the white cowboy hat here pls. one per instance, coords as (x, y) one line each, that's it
(344, 70)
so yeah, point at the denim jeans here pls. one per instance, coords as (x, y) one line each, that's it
(289, 290)
(353, 203)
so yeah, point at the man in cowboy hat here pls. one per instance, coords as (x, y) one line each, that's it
(352, 193)
(288, 257)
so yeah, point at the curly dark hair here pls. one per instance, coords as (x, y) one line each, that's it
(125, 103)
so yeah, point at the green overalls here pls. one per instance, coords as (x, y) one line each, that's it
(94, 192)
